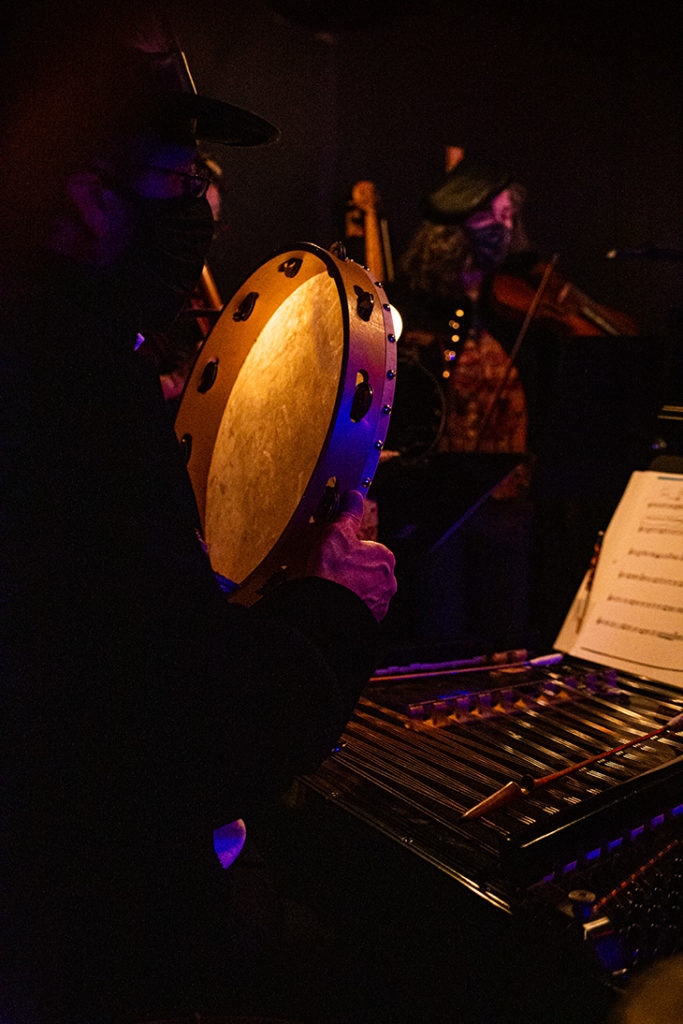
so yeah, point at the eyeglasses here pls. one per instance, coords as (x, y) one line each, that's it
(194, 183)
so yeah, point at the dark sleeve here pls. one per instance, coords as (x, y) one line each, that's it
(342, 627)
(187, 708)
(277, 683)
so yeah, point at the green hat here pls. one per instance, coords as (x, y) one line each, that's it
(466, 188)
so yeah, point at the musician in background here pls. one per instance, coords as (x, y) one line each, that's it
(497, 327)
(474, 590)
(471, 225)
(141, 710)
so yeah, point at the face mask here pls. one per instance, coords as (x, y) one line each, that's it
(491, 244)
(165, 258)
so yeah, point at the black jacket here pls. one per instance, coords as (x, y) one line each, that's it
(141, 709)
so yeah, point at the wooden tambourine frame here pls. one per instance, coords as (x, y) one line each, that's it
(287, 406)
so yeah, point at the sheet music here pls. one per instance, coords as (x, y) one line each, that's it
(629, 615)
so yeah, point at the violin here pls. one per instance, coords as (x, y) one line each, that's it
(558, 303)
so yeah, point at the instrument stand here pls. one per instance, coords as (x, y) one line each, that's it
(461, 561)
(426, 500)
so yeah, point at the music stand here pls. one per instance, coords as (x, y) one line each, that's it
(427, 500)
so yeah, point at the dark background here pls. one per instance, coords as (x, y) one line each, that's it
(581, 101)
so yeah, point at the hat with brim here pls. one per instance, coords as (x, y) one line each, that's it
(167, 101)
(464, 190)
(213, 120)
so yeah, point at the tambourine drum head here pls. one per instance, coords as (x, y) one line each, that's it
(274, 426)
(287, 407)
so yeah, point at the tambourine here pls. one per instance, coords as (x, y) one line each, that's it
(287, 406)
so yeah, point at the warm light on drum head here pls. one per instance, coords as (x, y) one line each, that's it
(267, 444)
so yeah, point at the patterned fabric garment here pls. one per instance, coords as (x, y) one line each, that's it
(486, 408)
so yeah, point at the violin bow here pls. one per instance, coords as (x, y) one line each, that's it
(530, 314)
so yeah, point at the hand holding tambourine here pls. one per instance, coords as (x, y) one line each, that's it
(363, 566)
